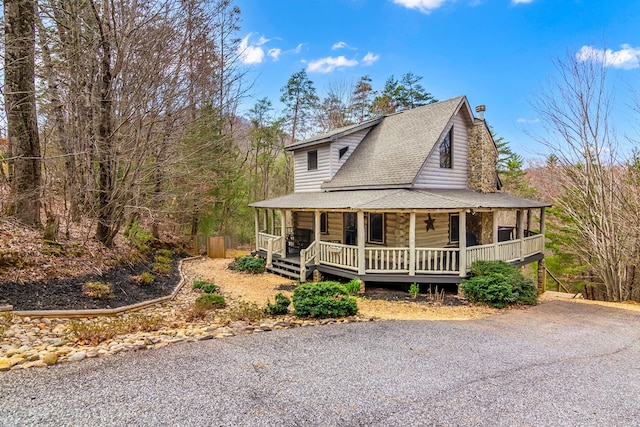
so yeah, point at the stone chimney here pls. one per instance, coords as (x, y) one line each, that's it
(483, 156)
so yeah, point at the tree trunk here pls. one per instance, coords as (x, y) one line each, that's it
(106, 228)
(20, 105)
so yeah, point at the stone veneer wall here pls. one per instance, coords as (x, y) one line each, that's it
(481, 225)
(483, 159)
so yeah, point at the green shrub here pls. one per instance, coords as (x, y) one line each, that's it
(164, 252)
(207, 287)
(492, 289)
(281, 305)
(144, 278)
(198, 284)
(498, 284)
(209, 301)
(414, 290)
(98, 290)
(249, 264)
(161, 259)
(161, 268)
(323, 299)
(139, 237)
(353, 286)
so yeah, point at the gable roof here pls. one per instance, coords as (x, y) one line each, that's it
(332, 135)
(393, 152)
(399, 199)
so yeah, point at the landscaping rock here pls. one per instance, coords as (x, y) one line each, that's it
(50, 359)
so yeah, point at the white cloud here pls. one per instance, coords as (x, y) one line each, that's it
(528, 121)
(521, 1)
(627, 57)
(251, 53)
(274, 53)
(424, 6)
(330, 63)
(339, 45)
(298, 48)
(370, 58)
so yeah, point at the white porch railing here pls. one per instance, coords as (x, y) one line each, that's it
(387, 260)
(508, 251)
(437, 260)
(272, 245)
(398, 260)
(306, 255)
(480, 253)
(533, 245)
(338, 255)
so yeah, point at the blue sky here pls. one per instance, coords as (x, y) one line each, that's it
(497, 52)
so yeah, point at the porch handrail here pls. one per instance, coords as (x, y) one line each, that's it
(533, 245)
(387, 260)
(338, 255)
(480, 253)
(278, 244)
(437, 260)
(508, 251)
(306, 255)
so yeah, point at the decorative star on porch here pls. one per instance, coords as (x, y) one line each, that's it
(429, 221)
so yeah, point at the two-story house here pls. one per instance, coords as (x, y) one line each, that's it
(408, 197)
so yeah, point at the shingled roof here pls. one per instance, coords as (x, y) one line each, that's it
(393, 152)
(399, 199)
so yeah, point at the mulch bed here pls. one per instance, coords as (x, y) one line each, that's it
(386, 294)
(66, 293)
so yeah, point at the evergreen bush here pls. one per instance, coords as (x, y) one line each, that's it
(249, 264)
(498, 284)
(209, 301)
(281, 305)
(323, 299)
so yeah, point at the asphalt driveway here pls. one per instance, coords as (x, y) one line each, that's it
(560, 363)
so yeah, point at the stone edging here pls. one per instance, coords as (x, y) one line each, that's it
(106, 311)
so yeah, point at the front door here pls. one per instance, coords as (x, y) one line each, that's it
(350, 229)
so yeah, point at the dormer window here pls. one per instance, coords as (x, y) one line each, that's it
(343, 151)
(446, 150)
(312, 160)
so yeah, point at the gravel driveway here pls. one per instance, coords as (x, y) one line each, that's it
(560, 363)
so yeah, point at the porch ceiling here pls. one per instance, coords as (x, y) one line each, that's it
(399, 199)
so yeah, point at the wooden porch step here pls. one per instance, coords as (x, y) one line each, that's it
(286, 266)
(285, 273)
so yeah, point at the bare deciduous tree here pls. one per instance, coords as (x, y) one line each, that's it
(20, 104)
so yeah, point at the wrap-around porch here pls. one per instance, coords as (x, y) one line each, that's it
(362, 247)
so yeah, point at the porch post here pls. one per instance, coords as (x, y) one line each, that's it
(412, 244)
(361, 231)
(528, 221)
(265, 219)
(521, 232)
(269, 253)
(316, 229)
(256, 225)
(273, 221)
(283, 231)
(462, 243)
(542, 228)
(495, 235)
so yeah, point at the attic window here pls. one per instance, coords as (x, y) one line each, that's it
(312, 160)
(446, 150)
(343, 151)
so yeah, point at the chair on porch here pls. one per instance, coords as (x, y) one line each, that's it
(298, 240)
